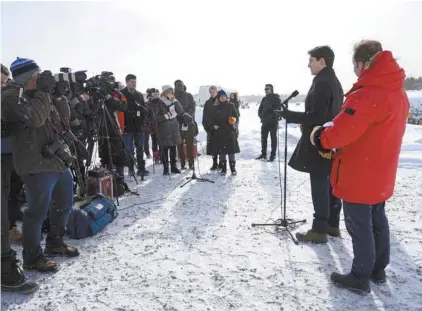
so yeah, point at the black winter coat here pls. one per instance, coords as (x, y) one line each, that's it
(266, 109)
(186, 100)
(135, 113)
(222, 140)
(323, 102)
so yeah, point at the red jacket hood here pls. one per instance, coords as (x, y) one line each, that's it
(384, 72)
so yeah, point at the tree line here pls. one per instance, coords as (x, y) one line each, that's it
(413, 84)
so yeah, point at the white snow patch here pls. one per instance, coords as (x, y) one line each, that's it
(196, 250)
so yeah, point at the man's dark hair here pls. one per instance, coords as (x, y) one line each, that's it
(365, 50)
(178, 81)
(4, 70)
(270, 86)
(324, 52)
(130, 77)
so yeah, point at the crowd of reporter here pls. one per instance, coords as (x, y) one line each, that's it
(47, 138)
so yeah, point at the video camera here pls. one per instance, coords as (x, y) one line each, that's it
(102, 84)
(67, 75)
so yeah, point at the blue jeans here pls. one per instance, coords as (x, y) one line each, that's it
(132, 141)
(50, 191)
(368, 226)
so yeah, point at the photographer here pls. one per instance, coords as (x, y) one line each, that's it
(34, 120)
(134, 123)
(12, 278)
(115, 103)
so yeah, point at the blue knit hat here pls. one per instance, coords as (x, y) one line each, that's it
(23, 69)
(221, 92)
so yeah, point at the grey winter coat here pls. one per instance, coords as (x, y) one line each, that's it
(28, 141)
(165, 115)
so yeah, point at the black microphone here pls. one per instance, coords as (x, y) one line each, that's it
(284, 103)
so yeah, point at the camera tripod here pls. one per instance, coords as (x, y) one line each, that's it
(283, 223)
(100, 131)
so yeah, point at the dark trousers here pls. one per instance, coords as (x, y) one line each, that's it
(146, 142)
(370, 232)
(15, 199)
(6, 170)
(52, 193)
(132, 141)
(154, 142)
(171, 150)
(326, 206)
(269, 128)
(188, 139)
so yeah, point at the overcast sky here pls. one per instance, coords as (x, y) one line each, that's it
(237, 44)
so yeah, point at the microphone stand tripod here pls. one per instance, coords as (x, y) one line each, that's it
(194, 177)
(284, 222)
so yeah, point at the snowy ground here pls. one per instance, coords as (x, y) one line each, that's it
(196, 250)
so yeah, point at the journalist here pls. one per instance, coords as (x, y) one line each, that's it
(12, 277)
(323, 102)
(187, 131)
(34, 124)
(368, 135)
(134, 123)
(206, 122)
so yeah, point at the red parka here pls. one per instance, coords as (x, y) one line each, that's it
(368, 134)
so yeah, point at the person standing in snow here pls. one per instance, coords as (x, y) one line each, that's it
(223, 116)
(323, 102)
(165, 110)
(12, 278)
(28, 103)
(187, 131)
(367, 136)
(269, 121)
(234, 99)
(134, 124)
(207, 124)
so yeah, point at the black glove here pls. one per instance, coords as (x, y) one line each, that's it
(81, 150)
(46, 82)
(62, 88)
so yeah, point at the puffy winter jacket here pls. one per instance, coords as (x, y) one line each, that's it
(369, 132)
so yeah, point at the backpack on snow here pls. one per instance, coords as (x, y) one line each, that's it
(90, 219)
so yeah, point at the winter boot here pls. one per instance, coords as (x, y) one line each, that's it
(233, 167)
(141, 169)
(54, 247)
(41, 264)
(272, 158)
(174, 169)
(312, 237)
(333, 231)
(378, 277)
(350, 282)
(182, 165)
(15, 236)
(263, 156)
(223, 168)
(165, 170)
(12, 277)
(214, 164)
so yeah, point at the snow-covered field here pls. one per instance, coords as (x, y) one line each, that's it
(196, 250)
